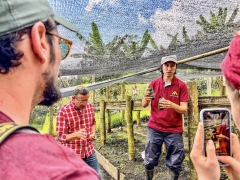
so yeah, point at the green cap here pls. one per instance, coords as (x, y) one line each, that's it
(19, 14)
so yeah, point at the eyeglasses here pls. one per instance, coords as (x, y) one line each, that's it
(64, 45)
(81, 101)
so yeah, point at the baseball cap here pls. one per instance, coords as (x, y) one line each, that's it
(172, 58)
(19, 14)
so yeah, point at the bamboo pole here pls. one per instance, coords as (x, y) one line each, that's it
(210, 53)
(123, 91)
(93, 92)
(220, 85)
(108, 110)
(193, 120)
(102, 123)
(224, 91)
(209, 86)
(129, 109)
(51, 109)
(138, 118)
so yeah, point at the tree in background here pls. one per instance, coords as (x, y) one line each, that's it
(126, 47)
(218, 22)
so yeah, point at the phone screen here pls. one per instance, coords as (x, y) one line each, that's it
(217, 127)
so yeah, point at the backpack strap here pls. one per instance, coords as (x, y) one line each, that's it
(6, 129)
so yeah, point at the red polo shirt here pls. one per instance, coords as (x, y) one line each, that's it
(167, 120)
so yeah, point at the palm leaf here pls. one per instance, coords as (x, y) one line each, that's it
(184, 34)
(97, 39)
(153, 44)
(232, 18)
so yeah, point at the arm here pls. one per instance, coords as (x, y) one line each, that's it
(93, 133)
(93, 129)
(93, 136)
(79, 134)
(221, 136)
(61, 127)
(182, 108)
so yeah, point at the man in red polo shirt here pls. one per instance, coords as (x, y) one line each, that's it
(76, 127)
(165, 123)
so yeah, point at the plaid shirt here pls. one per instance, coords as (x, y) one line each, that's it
(70, 120)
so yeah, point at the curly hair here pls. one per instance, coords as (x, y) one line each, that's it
(9, 53)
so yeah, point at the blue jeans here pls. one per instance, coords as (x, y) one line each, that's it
(93, 162)
(174, 146)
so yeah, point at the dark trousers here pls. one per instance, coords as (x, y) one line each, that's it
(174, 146)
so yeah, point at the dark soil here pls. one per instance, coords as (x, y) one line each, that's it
(116, 151)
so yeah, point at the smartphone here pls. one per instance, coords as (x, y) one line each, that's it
(217, 126)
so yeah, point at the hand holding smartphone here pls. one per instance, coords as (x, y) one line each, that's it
(217, 127)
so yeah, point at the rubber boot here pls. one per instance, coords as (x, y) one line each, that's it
(174, 176)
(149, 174)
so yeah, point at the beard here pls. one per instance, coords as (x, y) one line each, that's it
(51, 93)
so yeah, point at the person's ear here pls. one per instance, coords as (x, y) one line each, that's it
(39, 41)
(73, 98)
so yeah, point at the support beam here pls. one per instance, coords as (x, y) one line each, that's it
(102, 123)
(108, 110)
(123, 91)
(193, 120)
(131, 148)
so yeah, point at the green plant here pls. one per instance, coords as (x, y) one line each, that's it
(116, 118)
(201, 86)
(37, 116)
(46, 125)
(143, 114)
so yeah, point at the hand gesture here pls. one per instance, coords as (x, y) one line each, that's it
(233, 170)
(147, 95)
(92, 137)
(81, 134)
(165, 103)
(206, 167)
(221, 136)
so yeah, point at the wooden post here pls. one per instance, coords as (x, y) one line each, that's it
(193, 120)
(138, 118)
(108, 110)
(93, 91)
(51, 109)
(209, 86)
(224, 91)
(102, 122)
(129, 109)
(220, 84)
(123, 91)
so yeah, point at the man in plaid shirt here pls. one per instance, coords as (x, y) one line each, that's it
(76, 127)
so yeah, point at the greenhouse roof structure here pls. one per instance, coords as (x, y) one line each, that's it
(130, 36)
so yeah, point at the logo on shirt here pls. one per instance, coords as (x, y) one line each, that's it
(174, 93)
